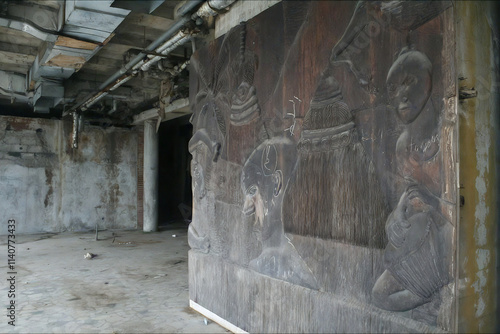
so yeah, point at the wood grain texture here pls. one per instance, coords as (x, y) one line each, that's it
(258, 303)
(75, 43)
(326, 170)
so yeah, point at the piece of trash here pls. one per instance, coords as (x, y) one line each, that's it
(161, 275)
(89, 256)
(205, 320)
(174, 235)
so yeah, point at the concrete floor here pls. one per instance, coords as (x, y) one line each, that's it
(137, 283)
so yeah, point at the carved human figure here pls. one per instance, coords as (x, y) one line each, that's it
(418, 253)
(205, 148)
(198, 233)
(264, 180)
(409, 86)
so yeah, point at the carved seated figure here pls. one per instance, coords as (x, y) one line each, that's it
(418, 253)
(417, 256)
(264, 181)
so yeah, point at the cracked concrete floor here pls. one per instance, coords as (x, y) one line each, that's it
(137, 283)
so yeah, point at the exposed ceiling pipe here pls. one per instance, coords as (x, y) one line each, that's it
(167, 42)
(121, 76)
(151, 47)
(179, 39)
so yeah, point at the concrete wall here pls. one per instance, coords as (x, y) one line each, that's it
(48, 187)
(477, 67)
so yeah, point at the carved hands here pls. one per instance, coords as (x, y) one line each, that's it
(400, 220)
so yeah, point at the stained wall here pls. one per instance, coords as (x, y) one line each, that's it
(48, 187)
(478, 73)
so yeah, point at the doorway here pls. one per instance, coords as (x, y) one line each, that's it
(174, 189)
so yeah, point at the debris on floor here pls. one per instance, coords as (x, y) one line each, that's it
(110, 294)
(89, 256)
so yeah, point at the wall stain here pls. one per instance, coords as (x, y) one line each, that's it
(48, 180)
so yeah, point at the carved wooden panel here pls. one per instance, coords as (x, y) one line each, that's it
(321, 152)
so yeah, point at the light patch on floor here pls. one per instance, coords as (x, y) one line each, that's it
(137, 283)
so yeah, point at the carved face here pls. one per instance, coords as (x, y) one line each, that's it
(260, 184)
(409, 84)
(255, 195)
(263, 183)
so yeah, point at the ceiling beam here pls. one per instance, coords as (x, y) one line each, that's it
(14, 68)
(146, 20)
(22, 49)
(176, 109)
(17, 37)
(16, 58)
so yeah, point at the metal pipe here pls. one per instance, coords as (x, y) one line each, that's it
(151, 47)
(220, 4)
(74, 135)
(90, 102)
(169, 40)
(173, 29)
(209, 8)
(166, 50)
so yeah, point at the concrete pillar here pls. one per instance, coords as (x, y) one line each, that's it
(150, 176)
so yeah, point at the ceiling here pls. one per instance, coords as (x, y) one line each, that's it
(56, 55)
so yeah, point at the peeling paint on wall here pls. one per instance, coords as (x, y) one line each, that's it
(477, 67)
(48, 187)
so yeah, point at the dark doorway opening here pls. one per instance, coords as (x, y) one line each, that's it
(174, 189)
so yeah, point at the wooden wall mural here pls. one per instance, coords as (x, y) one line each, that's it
(323, 159)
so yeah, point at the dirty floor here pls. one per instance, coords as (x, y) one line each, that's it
(137, 283)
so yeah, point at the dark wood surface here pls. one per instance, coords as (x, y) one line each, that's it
(329, 133)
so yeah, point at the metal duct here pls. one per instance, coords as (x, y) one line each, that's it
(47, 95)
(12, 82)
(13, 86)
(93, 21)
(27, 28)
(74, 33)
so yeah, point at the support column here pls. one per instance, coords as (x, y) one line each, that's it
(150, 176)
